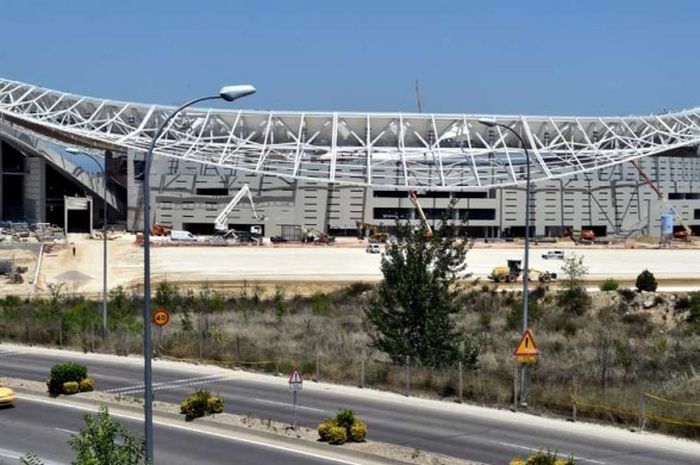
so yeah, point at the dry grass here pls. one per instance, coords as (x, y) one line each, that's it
(609, 354)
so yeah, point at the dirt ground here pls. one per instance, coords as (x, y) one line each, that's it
(308, 269)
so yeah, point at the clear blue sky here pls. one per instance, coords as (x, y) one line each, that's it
(535, 57)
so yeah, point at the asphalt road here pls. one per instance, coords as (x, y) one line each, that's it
(44, 429)
(454, 431)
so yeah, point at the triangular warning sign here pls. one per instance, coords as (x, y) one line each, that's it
(295, 377)
(527, 346)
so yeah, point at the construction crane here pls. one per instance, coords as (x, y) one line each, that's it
(416, 203)
(220, 223)
(687, 232)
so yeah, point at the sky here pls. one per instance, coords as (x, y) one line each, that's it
(560, 57)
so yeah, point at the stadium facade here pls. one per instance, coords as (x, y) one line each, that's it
(333, 172)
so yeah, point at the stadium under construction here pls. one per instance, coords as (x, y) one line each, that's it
(340, 173)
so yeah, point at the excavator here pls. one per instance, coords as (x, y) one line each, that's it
(511, 273)
(221, 224)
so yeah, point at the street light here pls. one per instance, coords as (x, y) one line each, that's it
(526, 262)
(104, 234)
(229, 94)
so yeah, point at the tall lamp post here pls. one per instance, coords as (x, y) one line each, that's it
(104, 233)
(526, 260)
(229, 94)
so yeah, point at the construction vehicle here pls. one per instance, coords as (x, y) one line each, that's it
(585, 236)
(686, 232)
(221, 224)
(416, 203)
(513, 270)
(161, 230)
(375, 235)
(313, 235)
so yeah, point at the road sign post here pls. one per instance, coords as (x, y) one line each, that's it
(295, 384)
(525, 353)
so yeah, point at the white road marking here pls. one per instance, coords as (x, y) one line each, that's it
(190, 429)
(196, 381)
(285, 404)
(532, 449)
(66, 431)
(10, 454)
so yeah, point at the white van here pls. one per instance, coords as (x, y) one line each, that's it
(187, 236)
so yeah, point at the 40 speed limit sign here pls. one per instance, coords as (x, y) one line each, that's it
(161, 317)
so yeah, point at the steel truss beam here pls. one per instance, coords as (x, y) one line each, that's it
(404, 151)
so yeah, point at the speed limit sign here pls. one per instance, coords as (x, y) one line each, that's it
(161, 317)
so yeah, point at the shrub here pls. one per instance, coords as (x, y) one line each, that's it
(358, 431)
(87, 385)
(337, 435)
(70, 387)
(64, 372)
(345, 418)
(609, 285)
(215, 404)
(324, 429)
(626, 293)
(646, 281)
(201, 403)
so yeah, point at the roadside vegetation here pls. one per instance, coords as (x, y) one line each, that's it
(343, 427)
(103, 441)
(201, 403)
(624, 356)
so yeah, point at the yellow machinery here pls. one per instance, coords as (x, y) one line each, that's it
(511, 273)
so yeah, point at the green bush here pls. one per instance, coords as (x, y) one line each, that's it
(344, 421)
(345, 418)
(70, 387)
(87, 385)
(337, 435)
(215, 404)
(64, 372)
(646, 281)
(609, 285)
(324, 429)
(358, 431)
(201, 403)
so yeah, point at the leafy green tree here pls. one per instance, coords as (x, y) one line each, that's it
(411, 314)
(573, 298)
(103, 441)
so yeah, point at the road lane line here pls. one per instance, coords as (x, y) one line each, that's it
(198, 381)
(63, 430)
(285, 449)
(532, 449)
(286, 404)
(10, 454)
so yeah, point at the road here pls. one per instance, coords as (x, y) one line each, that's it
(44, 428)
(484, 435)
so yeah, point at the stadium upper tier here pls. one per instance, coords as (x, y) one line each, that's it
(406, 151)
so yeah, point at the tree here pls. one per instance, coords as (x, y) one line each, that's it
(103, 441)
(646, 281)
(411, 313)
(574, 298)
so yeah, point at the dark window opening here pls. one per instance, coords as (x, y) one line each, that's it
(215, 191)
(139, 169)
(390, 194)
(470, 195)
(477, 214)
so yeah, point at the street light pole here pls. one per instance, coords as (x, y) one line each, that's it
(104, 250)
(104, 235)
(229, 93)
(526, 258)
